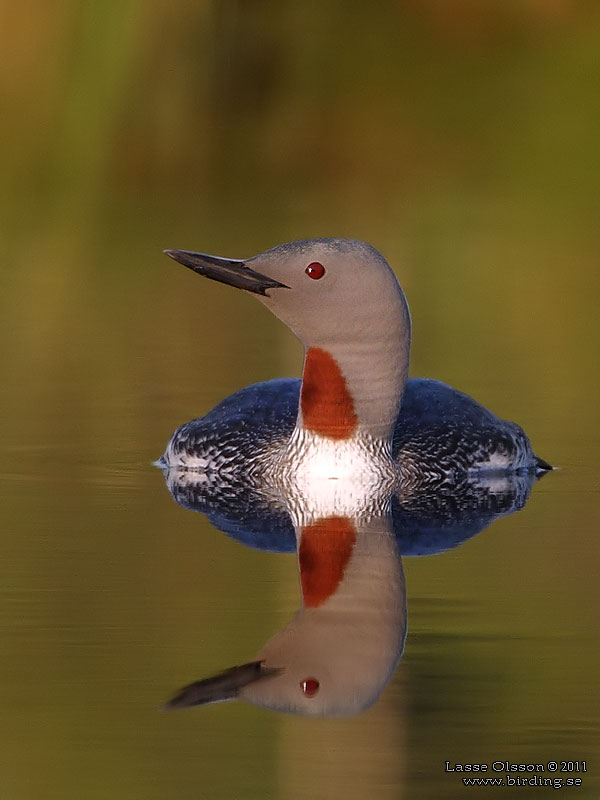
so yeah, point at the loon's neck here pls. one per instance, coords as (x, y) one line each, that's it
(338, 459)
(354, 389)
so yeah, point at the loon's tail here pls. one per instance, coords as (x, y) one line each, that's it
(542, 466)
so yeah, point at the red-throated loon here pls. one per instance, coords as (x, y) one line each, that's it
(354, 412)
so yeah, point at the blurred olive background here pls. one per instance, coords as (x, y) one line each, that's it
(462, 139)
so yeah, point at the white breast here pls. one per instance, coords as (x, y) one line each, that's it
(321, 477)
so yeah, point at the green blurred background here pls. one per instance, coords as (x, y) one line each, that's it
(459, 137)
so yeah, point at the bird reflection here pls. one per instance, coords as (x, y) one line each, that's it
(425, 522)
(339, 651)
(341, 648)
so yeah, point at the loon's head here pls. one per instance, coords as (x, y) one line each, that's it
(325, 290)
(342, 300)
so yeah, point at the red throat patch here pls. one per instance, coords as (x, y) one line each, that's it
(325, 549)
(327, 405)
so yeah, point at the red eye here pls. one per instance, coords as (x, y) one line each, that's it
(315, 270)
(310, 686)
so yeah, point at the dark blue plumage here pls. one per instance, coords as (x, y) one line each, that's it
(440, 433)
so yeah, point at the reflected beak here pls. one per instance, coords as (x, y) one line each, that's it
(224, 686)
(233, 272)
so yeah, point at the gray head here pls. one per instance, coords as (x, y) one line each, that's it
(309, 668)
(338, 295)
(325, 290)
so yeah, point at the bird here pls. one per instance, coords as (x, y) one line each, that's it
(354, 414)
(338, 653)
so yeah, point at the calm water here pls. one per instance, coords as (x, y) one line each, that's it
(467, 154)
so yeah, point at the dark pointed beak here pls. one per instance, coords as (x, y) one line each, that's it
(233, 272)
(224, 686)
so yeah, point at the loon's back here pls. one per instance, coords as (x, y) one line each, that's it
(440, 433)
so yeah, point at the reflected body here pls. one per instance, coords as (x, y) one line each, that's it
(428, 521)
(354, 415)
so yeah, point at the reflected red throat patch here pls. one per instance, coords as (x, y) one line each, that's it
(325, 549)
(327, 405)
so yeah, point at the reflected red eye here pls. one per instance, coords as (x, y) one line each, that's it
(310, 686)
(315, 270)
